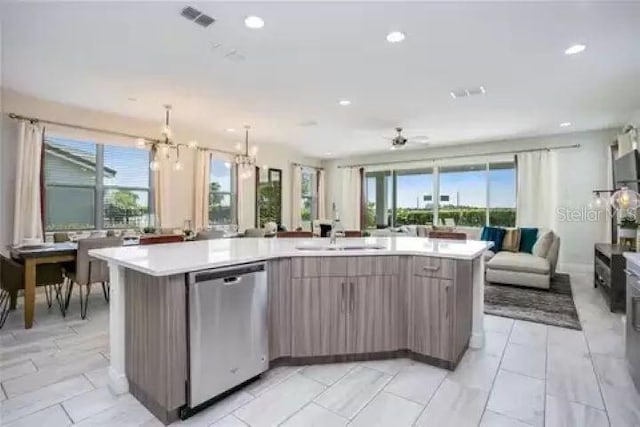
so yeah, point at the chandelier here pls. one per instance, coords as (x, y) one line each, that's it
(246, 161)
(163, 146)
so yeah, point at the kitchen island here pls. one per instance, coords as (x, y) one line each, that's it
(361, 299)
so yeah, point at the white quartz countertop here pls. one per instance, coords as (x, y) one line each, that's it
(175, 258)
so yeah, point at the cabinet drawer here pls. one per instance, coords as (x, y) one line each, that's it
(433, 267)
(319, 266)
(381, 265)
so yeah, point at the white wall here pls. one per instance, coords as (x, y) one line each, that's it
(181, 185)
(579, 171)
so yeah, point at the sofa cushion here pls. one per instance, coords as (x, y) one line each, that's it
(511, 240)
(543, 244)
(528, 237)
(521, 262)
(495, 235)
(488, 255)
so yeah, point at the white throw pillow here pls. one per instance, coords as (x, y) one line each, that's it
(543, 244)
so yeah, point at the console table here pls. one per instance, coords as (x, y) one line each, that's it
(609, 276)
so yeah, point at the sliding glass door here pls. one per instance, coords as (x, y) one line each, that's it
(470, 195)
(463, 196)
(413, 197)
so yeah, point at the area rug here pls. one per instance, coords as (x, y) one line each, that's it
(554, 306)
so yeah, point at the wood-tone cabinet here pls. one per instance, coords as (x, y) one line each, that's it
(319, 316)
(430, 317)
(279, 297)
(354, 313)
(331, 306)
(374, 315)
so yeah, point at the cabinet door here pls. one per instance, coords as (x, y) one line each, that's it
(318, 316)
(374, 314)
(430, 325)
(279, 288)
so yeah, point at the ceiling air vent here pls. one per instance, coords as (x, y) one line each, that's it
(193, 14)
(465, 93)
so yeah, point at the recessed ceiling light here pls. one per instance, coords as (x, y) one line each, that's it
(576, 48)
(395, 37)
(344, 102)
(230, 129)
(254, 22)
(328, 153)
(565, 124)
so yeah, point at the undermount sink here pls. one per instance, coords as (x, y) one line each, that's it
(339, 247)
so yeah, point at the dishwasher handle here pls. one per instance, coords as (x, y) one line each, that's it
(228, 281)
(225, 273)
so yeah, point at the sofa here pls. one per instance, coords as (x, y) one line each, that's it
(522, 268)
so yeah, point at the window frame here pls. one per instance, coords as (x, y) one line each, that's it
(436, 171)
(232, 193)
(98, 187)
(313, 197)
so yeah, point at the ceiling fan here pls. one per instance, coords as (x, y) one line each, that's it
(400, 141)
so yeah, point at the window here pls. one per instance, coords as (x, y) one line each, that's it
(502, 194)
(222, 192)
(269, 197)
(89, 186)
(379, 191)
(309, 195)
(463, 195)
(468, 196)
(414, 197)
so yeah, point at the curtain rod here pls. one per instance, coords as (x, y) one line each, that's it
(318, 168)
(111, 132)
(461, 156)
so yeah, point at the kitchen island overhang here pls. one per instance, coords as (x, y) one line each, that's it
(415, 297)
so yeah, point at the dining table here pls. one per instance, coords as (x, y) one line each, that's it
(32, 256)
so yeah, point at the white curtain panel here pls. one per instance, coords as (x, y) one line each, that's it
(322, 197)
(537, 189)
(246, 199)
(350, 202)
(160, 190)
(27, 217)
(201, 188)
(296, 197)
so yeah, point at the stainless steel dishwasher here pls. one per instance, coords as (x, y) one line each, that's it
(228, 333)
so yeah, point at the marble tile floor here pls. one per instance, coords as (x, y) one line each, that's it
(527, 375)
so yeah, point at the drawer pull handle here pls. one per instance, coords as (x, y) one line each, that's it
(431, 267)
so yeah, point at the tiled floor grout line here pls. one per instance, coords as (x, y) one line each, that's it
(373, 398)
(598, 380)
(493, 383)
(424, 408)
(308, 403)
(546, 379)
(68, 415)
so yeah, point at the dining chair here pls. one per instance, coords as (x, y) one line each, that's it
(48, 276)
(161, 238)
(446, 235)
(88, 271)
(209, 235)
(60, 237)
(254, 232)
(295, 234)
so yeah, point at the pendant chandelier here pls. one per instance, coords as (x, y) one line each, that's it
(246, 161)
(165, 145)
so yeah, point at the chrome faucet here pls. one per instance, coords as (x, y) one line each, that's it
(335, 225)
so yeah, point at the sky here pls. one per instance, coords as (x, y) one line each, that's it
(466, 188)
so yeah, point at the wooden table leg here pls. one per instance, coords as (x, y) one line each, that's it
(29, 292)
